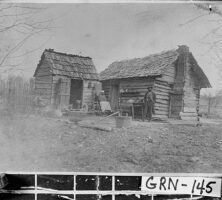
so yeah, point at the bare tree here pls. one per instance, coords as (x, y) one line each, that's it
(21, 22)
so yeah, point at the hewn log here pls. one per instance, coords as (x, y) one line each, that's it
(162, 112)
(184, 114)
(188, 109)
(158, 86)
(44, 78)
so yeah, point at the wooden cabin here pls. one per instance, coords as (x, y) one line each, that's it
(64, 79)
(175, 76)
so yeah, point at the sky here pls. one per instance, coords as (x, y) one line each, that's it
(110, 32)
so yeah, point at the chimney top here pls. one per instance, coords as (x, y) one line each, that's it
(183, 48)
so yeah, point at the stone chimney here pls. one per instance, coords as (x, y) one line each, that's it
(183, 49)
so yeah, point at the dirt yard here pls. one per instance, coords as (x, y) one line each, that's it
(33, 143)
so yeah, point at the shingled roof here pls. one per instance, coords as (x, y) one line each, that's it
(152, 65)
(73, 66)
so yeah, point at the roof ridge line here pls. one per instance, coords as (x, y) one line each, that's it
(153, 54)
(65, 54)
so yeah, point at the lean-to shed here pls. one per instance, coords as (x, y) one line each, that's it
(65, 79)
(175, 76)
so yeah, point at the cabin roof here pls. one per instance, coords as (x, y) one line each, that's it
(69, 65)
(152, 65)
(204, 82)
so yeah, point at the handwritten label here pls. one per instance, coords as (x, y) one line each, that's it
(182, 185)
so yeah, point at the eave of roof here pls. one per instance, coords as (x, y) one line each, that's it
(205, 83)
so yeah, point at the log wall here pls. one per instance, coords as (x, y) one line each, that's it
(163, 86)
(43, 82)
(162, 90)
(168, 75)
(135, 89)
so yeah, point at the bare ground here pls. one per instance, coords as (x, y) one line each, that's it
(35, 143)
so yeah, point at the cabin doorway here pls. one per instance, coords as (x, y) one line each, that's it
(76, 89)
(176, 105)
(114, 97)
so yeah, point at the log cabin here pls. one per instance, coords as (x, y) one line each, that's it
(64, 80)
(175, 76)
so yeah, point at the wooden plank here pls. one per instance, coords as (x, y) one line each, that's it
(137, 80)
(189, 114)
(38, 87)
(163, 101)
(62, 81)
(163, 112)
(43, 86)
(131, 87)
(158, 89)
(160, 116)
(190, 102)
(163, 87)
(188, 109)
(160, 82)
(43, 74)
(194, 102)
(162, 98)
(165, 106)
(161, 108)
(190, 95)
(44, 96)
(43, 78)
(161, 94)
(144, 90)
(167, 79)
(169, 73)
(43, 92)
(193, 119)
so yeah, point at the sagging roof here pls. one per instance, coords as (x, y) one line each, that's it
(152, 65)
(73, 66)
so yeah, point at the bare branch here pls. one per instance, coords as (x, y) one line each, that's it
(17, 46)
(20, 18)
(33, 50)
(13, 49)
